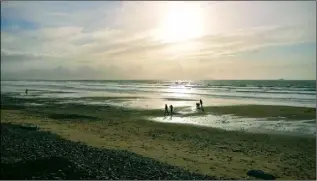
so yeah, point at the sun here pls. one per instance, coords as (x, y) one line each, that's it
(181, 22)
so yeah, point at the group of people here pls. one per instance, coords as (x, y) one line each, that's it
(199, 105)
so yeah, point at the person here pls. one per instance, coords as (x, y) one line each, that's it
(197, 105)
(201, 105)
(26, 91)
(171, 108)
(166, 110)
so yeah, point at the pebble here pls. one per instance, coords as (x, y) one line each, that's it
(47, 156)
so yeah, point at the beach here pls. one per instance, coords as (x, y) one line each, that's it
(272, 129)
(47, 156)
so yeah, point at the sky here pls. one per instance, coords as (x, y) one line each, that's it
(158, 40)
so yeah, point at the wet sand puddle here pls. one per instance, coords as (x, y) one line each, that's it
(257, 125)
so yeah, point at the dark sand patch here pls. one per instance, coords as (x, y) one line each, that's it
(263, 111)
(48, 92)
(72, 116)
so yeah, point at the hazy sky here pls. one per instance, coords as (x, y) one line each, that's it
(158, 40)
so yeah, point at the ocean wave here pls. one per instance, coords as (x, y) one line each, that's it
(270, 89)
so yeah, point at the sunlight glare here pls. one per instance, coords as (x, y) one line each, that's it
(181, 22)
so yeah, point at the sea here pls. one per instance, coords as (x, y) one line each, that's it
(182, 94)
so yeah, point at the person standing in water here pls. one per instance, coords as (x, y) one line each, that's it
(171, 108)
(26, 91)
(201, 105)
(166, 110)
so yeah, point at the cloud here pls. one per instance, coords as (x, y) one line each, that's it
(115, 46)
(106, 42)
(89, 15)
(213, 46)
(121, 34)
(62, 72)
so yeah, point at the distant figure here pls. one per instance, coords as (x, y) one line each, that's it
(166, 110)
(201, 104)
(26, 91)
(171, 108)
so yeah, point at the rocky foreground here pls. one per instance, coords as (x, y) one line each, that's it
(27, 153)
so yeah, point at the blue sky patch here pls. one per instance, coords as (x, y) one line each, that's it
(16, 24)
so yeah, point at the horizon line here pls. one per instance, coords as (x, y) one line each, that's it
(158, 80)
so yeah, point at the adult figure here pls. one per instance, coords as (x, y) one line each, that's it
(201, 105)
(166, 110)
(171, 108)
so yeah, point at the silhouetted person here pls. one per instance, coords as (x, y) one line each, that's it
(166, 110)
(171, 108)
(197, 105)
(26, 91)
(201, 104)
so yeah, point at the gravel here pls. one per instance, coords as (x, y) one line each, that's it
(27, 153)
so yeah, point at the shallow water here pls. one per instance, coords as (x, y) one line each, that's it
(256, 125)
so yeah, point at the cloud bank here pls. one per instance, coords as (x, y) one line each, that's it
(116, 40)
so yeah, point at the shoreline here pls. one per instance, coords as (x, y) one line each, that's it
(268, 119)
(155, 97)
(242, 110)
